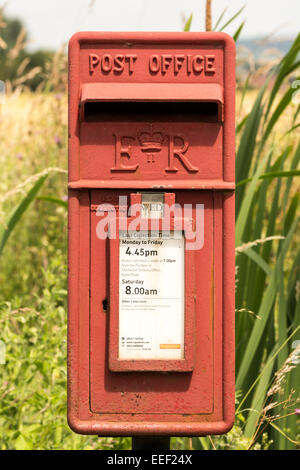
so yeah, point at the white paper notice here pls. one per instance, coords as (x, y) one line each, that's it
(151, 296)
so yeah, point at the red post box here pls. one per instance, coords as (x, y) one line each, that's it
(151, 233)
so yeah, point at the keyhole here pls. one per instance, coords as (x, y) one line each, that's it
(104, 304)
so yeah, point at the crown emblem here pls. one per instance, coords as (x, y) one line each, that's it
(150, 141)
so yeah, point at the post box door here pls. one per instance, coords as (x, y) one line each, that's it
(130, 391)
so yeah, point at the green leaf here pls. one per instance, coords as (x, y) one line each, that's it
(219, 19)
(187, 25)
(241, 124)
(259, 398)
(285, 100)
(291, 213)
(258, 260)
(232, 18)
(238, 31)
(286, 66)
(247, 145)
(263, 313)
(54, 200)
(272, 174)
(271, 358)
(246, 204)
(244, 91)
(293, 166)
(292, 128)
(283, 433)
(18, 211)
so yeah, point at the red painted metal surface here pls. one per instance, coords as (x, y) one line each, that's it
(172, 93)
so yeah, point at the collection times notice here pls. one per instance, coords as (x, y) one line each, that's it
(151, 296)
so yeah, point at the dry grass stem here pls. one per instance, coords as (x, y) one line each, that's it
(260, 241)
(280, 376)
(208, 23)
(20, 188)
(20, 44)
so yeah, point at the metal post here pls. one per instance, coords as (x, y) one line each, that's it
(151, 443)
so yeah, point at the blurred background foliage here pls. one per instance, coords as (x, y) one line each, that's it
(33, 267)
(23, 68)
